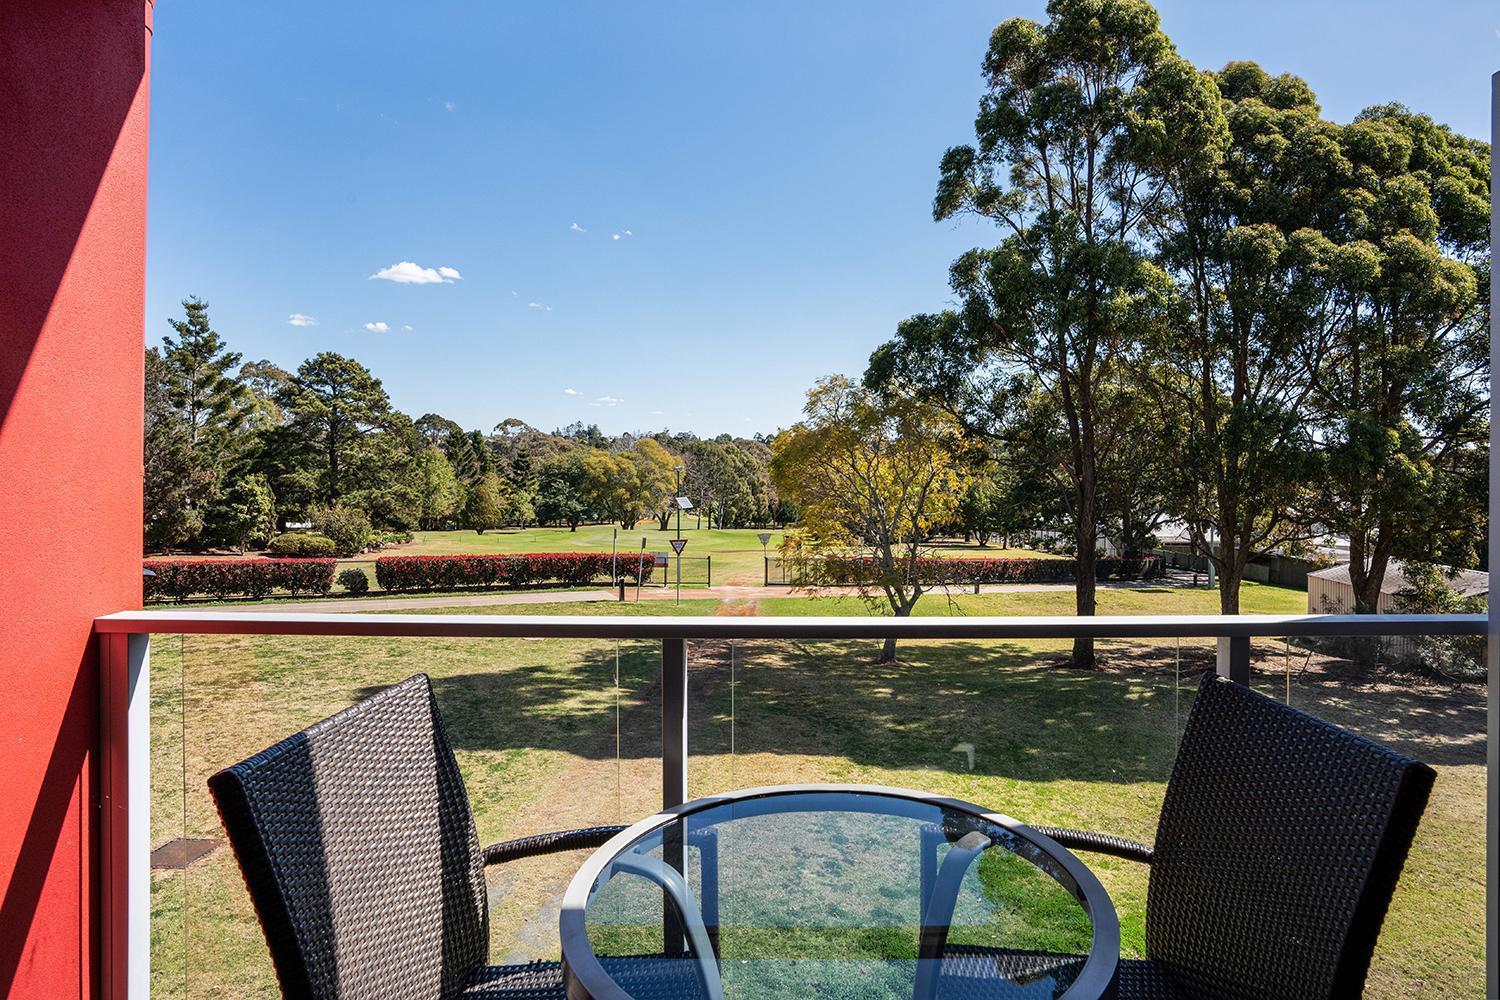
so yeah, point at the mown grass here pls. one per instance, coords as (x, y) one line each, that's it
(547, 739)
(737, 557)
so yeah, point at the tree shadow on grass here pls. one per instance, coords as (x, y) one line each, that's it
(1024, 717)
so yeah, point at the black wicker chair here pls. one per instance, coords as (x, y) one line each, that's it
(1278, 848)
(359, 851)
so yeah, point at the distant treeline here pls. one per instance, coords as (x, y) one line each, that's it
(237, 451)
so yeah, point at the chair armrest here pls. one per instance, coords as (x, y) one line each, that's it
(1097, 843)
(548, 843)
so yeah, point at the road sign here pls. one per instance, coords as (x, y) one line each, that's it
(765, 538)
(678, 544)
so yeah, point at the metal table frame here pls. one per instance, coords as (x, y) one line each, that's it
(587, 979)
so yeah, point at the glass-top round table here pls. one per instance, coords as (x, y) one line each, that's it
(836, 891)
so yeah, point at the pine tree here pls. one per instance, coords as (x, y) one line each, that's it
(197, 406)
(200, 380)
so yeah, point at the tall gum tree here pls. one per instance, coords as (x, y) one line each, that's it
(1242, 233)
(1403, 400)
(1067, 296)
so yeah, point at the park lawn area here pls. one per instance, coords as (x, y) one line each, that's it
(957, 548)
(547, 739)
(736, 552)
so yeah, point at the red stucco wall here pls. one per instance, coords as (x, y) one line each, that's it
(73, 103)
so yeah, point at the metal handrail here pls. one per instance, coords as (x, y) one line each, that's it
(863, 627)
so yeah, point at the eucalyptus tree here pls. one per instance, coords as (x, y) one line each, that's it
(1065, 298)
(1243, 234)
(1403, 400)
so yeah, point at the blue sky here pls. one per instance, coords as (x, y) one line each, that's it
(660, 215)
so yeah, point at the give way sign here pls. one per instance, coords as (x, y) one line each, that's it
(678, 544)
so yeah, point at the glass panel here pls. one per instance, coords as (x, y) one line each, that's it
(548, 734)
(1418, 696)
(1005, 724)
(168, 810)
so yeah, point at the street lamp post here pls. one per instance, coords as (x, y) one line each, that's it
(677, 471)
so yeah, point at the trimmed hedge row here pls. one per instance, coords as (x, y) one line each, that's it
(528, 569)
(971, 571)
(220, 578)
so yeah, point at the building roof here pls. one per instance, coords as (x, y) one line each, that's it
(1468, 582)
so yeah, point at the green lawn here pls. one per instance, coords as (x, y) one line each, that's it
(736, 553)
(547, 739)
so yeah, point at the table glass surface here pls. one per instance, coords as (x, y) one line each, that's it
(820, 895)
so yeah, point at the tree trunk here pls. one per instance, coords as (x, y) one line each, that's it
(664, 520)
(1084, 589)
(1231, 569)
(900, 608)
(1229, 592)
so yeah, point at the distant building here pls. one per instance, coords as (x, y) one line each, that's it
(1330, 592)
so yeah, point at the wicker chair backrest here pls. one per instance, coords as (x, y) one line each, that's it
(1280, 841)
(359, 850)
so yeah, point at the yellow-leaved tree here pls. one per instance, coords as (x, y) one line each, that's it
(872, 477)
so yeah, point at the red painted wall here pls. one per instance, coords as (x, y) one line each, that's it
(73, 103)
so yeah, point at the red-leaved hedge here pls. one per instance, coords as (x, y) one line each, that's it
(527, 569)
(960, 572)
(220, 578)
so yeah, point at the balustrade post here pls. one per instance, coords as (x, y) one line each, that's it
(674, 722)
(125, 815)
(1233, 660)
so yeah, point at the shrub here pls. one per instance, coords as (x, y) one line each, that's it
(221, 578)
(349, 527)
(302, 543)
(354, 581)
(967, 572)
(393, 537)
(452, 572)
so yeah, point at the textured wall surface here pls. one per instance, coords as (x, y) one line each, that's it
(73, 110)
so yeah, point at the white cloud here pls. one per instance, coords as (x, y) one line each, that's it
(629, 233)
(408, 273)
(658, 413)
(451, 105)
(300, 319)
(538, 305)
(378, 327)
(577, 228)
(609, 401)
(615, 236)
(622, 233)
(407, 328)
(570, 392)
